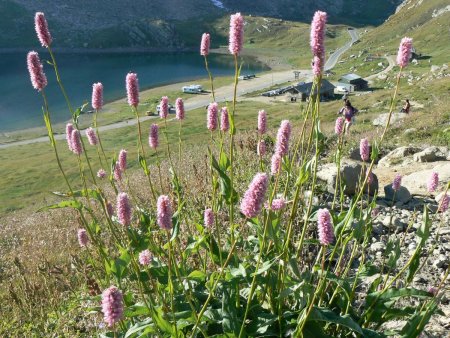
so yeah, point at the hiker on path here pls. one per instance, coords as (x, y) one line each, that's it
(349, 112)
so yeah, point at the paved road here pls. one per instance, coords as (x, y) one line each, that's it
(391, 61)
(333, 59)
(223, 94)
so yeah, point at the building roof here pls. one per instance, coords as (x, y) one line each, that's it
(326, 86)
(351, 76)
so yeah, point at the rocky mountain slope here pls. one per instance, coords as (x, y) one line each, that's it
(155, 23)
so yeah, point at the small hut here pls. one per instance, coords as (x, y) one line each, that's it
(355, 80)
(303, 90)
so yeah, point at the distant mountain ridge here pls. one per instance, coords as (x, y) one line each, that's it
(145, 23)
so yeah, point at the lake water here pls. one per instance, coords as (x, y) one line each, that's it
(20, 104)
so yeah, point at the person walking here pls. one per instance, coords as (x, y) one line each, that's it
(349, 112)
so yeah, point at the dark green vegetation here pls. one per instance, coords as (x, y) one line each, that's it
(164, 24)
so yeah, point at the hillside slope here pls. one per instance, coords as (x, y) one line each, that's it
(155, 23)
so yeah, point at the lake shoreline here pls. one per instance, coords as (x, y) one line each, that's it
(23, 133)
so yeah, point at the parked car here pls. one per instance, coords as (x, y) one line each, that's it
(192, 89)
(247, 77)
(171, 109)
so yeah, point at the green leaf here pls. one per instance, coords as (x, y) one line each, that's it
(393, 251)
(76, 114)
(375, 151)
(163, 324)
(230, 321)
(265, 266)
(423, 232)
(140, 326)
(63, 204)
(48, 125)
(325, 315)
(136, 310)
(415, 325)
(229, 194)
(197, 275)
(143, 164)
(224, 162)
(391, 294)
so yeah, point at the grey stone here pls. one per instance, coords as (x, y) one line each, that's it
(440, 261)
(410, 131)
(416, 183)
(382, 119)
(350, 173)
(397, 156)
(431, 154)
(401, 195)
(377, 247)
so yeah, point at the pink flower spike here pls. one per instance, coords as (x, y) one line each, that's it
(179, 109)
(317, 66)
(318, 34)
(132, 85)
(76, 142)
(123, 209)
(213, 110)
(164, 107)
(283, 135)
(117, 172)
(83, 238)
(205, 44)
(208, 218)
(42, 31)
(444, 203)
(145, 257)
(325, 227)
(276, 164)
(404, 52)
(397, 182)
(261, 149)
(369, 176)
(236, 40)
(36, 70)
(224, 120)
(164, 212)
(112, 306)
(69, 128)
(253, 199)
(433, 182)
(91, 136)
(97, 96)
(262, 122)
(101, 173)
(364, 149)
(122, 160)
(277, 204)
(109, 209)
(339, 126)
(153, 136)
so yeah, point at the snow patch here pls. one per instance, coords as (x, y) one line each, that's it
(441, 11)
(218, 4)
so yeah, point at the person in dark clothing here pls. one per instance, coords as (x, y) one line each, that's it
(407, 106)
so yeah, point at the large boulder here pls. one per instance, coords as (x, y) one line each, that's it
(432, 154)
(382, 119)
(416, 182)
(350, 173)
(398, 156)
(401, 195)
(356, 155)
